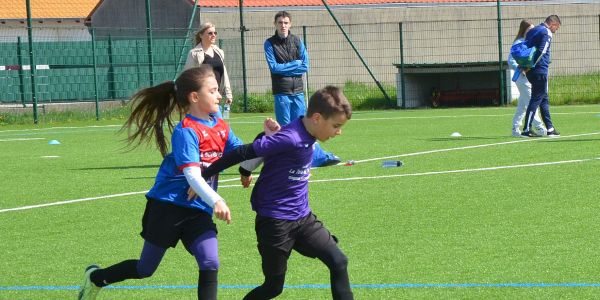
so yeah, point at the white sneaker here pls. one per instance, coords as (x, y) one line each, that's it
(541, 131)
(89, 290)
(516, 132)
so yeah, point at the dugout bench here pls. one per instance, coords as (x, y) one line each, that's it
(446, 84)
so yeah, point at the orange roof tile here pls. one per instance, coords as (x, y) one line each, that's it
(280, 3)
(47, 9)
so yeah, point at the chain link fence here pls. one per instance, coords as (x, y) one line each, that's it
(76, 64)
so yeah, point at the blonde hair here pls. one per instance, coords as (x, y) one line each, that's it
(523, 27)
(203, 28)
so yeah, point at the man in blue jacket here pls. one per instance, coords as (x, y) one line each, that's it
(541, 38)
(288, 61)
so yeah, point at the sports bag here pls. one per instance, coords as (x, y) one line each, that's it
(523, 55)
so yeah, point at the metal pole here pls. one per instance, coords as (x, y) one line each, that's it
(356, 51)
(95, 73)
(304, 36)
(111, 70)
(403, 84)
(242, 35)
(187, 35)
(31, 62)
(149, 37)
(137, 62)
(500, 55)
(21, 76)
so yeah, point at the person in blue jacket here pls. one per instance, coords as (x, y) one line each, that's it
(523, 86)
(541, 38)
(288, 61)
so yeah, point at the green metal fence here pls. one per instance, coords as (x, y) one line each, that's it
(105, 68)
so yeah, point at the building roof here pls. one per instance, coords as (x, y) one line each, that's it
(280, 3)
(47, 9)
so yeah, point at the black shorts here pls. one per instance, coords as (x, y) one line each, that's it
(307, 236)
(164, 224)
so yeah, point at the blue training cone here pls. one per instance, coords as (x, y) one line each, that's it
(53, 142)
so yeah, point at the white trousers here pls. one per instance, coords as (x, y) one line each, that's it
(524, 88)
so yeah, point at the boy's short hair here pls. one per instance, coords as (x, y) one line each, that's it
(283, 14)
(328, 102)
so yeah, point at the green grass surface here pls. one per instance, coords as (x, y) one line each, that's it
(485, 208)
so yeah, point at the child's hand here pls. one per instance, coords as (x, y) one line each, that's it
(246, 180)
(191, 194)
(222, 212)
(271, 126)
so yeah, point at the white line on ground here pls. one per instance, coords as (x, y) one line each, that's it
(458, 116)
(523, 140)
(235, 120)
(85, 199)
(65, 127)
(20, 139)
(462, 171)
(328, 180)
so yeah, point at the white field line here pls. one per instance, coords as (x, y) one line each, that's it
(328, 180)
(85, 199)
(460, 116)
(463, 170)
(523, 140)
(52, 128)
(234, 120)
(20, 139)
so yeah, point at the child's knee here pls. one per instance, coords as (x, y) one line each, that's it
(340, 261)
(208, 263)
(335, 259)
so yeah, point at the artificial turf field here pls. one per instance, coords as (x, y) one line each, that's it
(482, 216)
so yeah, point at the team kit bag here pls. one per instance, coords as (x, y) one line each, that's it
(523, 55)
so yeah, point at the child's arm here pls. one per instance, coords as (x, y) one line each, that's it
(246, 167)
(233, 157)
(193, 175)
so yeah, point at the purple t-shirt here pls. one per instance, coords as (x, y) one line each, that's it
(281, 191)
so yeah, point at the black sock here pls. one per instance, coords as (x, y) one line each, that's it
(126, 269)
(271, 288)
(207, 285)
(337, 263)
(340, 284)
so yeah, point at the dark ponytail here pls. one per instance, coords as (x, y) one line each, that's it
(152, 107)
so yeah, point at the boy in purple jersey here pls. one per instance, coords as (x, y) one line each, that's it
(284, 220)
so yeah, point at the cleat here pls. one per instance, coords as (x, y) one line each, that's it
(89, 290)
(541, 131)
(516, 132)
(331, 161)
(553, 133)
(529, 134)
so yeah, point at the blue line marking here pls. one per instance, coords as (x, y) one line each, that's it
(320, 286)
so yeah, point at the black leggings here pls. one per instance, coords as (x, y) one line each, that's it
(274, 259)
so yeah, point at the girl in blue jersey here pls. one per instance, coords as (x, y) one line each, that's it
(284, 219)
(196, 142)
